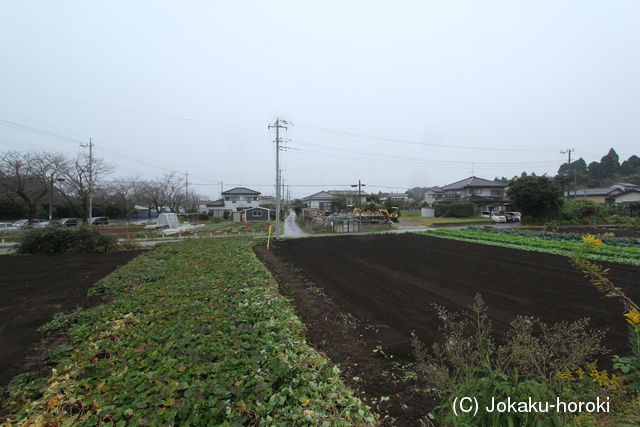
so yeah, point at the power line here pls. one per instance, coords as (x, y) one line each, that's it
(413, 159)
(340, 132)
(132, 110)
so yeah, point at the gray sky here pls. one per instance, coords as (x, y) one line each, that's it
(414, 80)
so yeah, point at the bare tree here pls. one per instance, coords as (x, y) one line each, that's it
(124, 192)
(82, 177)
(29, 176)
(165, 192)
(174, 189)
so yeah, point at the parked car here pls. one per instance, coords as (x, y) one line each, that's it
(513, 216)
(52, 223)
(6, 226)
(497, 217)
(24, 223)
(99, 220)
(70, 222)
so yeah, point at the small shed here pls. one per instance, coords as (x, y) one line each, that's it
(256, 214)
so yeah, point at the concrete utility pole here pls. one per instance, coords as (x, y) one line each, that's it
(277, 125)
(186, 192)
(359, 185)
(51, 195)
(568, 151)
(90, 187)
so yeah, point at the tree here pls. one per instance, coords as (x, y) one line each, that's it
(174, 191)
(417, 193)
(631, 166)
(124, 193)
(82, 177)
(610, 164)
(536, 196)
(340, 202)
(166, 192)
(29, 176)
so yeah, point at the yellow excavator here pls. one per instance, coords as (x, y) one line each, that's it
(391, 216)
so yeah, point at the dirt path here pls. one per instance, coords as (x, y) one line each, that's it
(34, 288)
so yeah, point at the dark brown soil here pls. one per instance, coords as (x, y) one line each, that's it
(33, 288)
(351, 344)
(393, 280)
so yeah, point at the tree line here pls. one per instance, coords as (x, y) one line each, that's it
(604, 173)
(32, 184)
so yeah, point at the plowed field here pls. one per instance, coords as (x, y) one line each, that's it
(393, 280)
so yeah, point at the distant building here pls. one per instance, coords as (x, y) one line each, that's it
(484, 194)
(325, 200)
(432, 195)
(255, 214)
(629, 196)
(396, 198)
(234, 200)
(601, 195)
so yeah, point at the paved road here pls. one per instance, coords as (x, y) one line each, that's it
(291, 227)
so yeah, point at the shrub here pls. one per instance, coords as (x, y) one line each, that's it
(454, 210)
(534, 360)
(66, 240)
(583, 210)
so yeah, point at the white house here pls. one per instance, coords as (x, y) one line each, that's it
(325, 200)
(235, 200)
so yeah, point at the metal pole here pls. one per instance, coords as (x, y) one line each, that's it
(51, 200)
(90, 180)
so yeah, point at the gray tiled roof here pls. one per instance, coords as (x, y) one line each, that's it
(320, 195)
(217, 203)
(473, 181)
(241, 191)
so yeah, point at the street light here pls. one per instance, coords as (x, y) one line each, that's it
(51, 197)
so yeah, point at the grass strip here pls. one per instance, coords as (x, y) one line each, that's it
(197, 334)
(620, 255)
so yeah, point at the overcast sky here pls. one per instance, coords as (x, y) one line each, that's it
(397, 94)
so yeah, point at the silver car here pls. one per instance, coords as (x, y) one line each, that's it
(6, 226)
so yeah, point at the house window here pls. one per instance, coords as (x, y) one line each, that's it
(496, 192)
(256, 214)
(475, 191)
(232, 198)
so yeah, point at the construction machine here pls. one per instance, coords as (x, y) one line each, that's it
(391, 216)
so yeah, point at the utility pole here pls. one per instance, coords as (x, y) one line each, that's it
(90, 186)
(278, 124)
(186, 192)
(221, 190)
(568, 152)
(359, 185)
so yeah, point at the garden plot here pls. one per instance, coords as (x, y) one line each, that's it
(33, 288)
(394, 280)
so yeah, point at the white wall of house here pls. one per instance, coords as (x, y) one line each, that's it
(633, 196)
(319, 204)
(235, 202)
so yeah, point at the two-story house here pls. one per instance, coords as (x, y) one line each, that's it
(325, 200)
(234, 200)
(484, 194)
